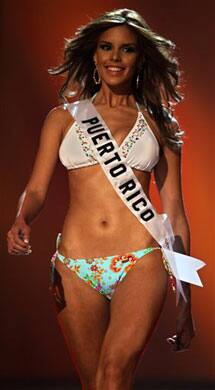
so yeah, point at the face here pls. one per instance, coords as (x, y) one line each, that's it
(116, 56)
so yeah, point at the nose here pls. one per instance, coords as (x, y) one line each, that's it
(116, 55)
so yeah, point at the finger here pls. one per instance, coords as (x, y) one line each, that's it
(26, 234)
(15, 253)
(170, 340)
(18, 247)
(19, 240)
(14, 239)
(20, 253)
(22, 237)
(10, 249)
(185, 337)
(182, 345)
(19, 235)
(176, 343)
(173, 339)
(14, 248)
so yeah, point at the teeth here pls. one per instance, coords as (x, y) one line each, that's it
(114, 69)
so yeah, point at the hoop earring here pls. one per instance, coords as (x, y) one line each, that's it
(96, 74)
(137, 81)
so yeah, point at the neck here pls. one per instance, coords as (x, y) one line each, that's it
(112, 99)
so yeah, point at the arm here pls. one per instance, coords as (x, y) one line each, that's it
(168, 180)
(33, 198)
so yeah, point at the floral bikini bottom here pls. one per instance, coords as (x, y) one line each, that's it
(101, 273)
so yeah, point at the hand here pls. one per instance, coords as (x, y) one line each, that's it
(185, 330)
(18, 238)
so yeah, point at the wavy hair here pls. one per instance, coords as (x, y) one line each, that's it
(158, 69)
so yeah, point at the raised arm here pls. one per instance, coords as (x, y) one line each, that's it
(168, 180)
(32, 200)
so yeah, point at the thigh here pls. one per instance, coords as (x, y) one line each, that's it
(83, 318)
(135, 308)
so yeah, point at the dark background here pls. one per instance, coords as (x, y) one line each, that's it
(31, 346)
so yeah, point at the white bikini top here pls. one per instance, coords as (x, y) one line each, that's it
(140, 147)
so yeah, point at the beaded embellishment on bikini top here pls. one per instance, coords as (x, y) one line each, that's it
(140, 147)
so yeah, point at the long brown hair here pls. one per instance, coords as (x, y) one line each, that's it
(158, 69)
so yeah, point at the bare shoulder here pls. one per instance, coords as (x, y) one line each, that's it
(55, 124)
(58, 119)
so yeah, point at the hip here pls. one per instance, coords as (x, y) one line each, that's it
(103, 239)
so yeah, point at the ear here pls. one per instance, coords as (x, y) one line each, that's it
(95, 59)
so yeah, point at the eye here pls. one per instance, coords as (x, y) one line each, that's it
(105, 46)
(129, 49)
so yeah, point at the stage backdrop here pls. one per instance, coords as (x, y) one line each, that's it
(33, 35)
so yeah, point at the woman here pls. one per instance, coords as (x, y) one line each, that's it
(109, 273)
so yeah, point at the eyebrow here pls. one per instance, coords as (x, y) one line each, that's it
(124, 44)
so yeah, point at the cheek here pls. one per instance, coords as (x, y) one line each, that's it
(132, 64)
(130, 61)
(101, 57)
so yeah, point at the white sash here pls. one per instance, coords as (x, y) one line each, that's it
(128, 187)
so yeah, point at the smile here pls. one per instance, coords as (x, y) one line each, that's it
(114, 69)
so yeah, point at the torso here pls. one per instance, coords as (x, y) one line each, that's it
(97, 222)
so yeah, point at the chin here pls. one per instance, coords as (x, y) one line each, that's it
(118, 83)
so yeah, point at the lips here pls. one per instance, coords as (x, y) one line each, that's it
(115, 68)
